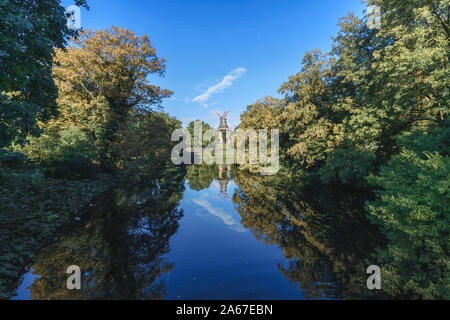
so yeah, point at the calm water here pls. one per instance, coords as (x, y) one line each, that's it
(214, 233)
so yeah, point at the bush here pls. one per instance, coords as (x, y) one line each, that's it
(71, 167)
(413, 207)
(143, 144)
(12, 159)
(348, 167)
(56, 145)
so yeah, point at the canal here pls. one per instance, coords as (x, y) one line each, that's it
(212, 233)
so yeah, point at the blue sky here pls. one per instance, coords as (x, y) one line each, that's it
(224, 55)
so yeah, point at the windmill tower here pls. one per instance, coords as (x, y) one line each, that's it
(223, 126)
(222, 184)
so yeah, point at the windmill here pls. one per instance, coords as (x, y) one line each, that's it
(222, 184)
(223, 125)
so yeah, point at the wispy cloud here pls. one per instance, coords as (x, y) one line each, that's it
(226, 82)
(227, 218)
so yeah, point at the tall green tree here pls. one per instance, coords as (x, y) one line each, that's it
(307, 113)
(342, 113)
(413, 208)
(204, 126)
(377, 105)
(143, 145)
(410, 77)
(29, 32)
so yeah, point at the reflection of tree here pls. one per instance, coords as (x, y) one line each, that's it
(324, 232)
(118, 244)
(200, 176)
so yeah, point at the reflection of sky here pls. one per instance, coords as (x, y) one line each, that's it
(216, 208)
(23, 292)
(216, 257)
(213, 255)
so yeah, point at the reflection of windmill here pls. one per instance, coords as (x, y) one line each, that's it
(223, 125)
(222, 184)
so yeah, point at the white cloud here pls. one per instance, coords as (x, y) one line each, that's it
(226, 82)
(227, 218)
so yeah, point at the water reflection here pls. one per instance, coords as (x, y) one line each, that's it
(323, 232)
(119, 244)
(200, 177)
(276, 239)
(221, 177)
(223, 181)
(228, 218)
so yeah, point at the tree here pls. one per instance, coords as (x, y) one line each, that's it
(412, 206)
(410, 72)
(29, 32)
(143, 144)
(342, 113)
(263, 113)
(377, 105)
(307, 111)
(101, 78)
(205, 127)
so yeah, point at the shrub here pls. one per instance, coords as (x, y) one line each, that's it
(413, 207)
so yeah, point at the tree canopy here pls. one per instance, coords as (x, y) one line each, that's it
(101, 77)
(29, 32)
(373, 113)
